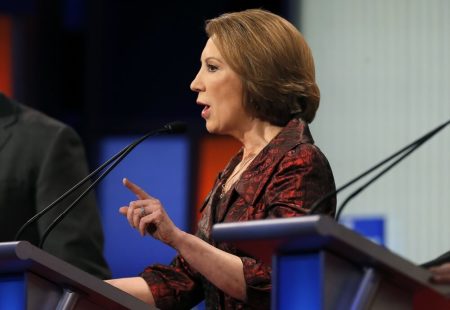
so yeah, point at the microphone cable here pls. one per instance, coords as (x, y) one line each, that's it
(174, 127)
(408, 150)
(317, 205)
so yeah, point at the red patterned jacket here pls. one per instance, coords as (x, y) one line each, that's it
(284, 180)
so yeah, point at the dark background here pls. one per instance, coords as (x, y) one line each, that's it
(113, 66)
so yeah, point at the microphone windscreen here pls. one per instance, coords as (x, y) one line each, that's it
(176, 127)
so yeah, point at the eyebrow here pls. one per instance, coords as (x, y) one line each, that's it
(213, 58)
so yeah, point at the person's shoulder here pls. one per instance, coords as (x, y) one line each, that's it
(306, 154)
(23, 119)
(35, 126)
(306, 150)
(37, 119)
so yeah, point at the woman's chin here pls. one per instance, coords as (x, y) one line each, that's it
(214, 128)
(210, 127)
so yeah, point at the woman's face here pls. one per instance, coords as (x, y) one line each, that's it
(220, 92)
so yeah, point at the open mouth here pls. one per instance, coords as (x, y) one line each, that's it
(205, 111)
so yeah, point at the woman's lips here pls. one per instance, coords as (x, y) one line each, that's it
(206, 111)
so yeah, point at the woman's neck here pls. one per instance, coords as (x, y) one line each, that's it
(257, 137)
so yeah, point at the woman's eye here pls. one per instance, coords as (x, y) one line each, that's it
(211, 68)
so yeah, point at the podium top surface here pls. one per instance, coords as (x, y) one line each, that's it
(265, 238)
(21, 256)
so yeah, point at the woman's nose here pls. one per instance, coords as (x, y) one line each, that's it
(196, 85)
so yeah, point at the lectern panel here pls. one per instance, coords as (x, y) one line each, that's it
(12, 292)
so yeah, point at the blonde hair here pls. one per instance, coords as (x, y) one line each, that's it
(274, 62)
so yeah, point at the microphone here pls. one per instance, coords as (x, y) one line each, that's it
(406, 151)
(170, 128)
(175, 127)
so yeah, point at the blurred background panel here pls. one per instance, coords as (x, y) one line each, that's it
(160, 166)
(213, 154)
(5, 55)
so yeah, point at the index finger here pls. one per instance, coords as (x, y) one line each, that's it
(140, 193)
